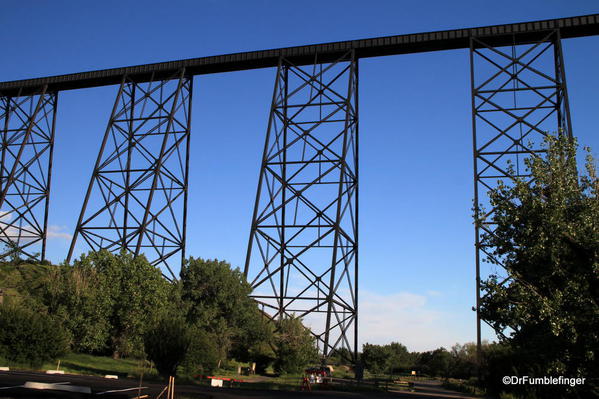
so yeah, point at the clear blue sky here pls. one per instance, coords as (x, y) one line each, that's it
(416, 249)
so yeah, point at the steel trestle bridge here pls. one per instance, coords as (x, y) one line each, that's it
(302, 256)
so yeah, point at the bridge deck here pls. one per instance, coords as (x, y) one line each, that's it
(401, 44)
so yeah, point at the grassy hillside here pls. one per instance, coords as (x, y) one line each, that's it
(16, 281)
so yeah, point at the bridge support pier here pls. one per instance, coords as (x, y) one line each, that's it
(27, 126)
(137, 195)
(302, 254)
(519, 96)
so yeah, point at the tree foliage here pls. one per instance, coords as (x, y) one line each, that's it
(375, 358)
(390, 359)
(204, 354)
(295, 346)
(464, 360)
(436, 363)
(105, 301)
(30, 337)
(217, 302)
(167, 343)
(136, 292)
(77, 298)
(118, 304)
(547, 239)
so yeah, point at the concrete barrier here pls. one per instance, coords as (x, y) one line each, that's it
(113, 377)
(4, 369)
(54, 371)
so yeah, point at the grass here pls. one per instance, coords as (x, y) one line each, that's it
(102, 365)
(77, 363)
(464, 386)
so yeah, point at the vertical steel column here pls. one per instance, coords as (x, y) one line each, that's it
(28, 124)
(137, 196)
(519, 96)
(302, 252)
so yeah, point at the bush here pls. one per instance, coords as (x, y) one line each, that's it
(295, 346)
(30, 338)
(204, 353)
(166, 344)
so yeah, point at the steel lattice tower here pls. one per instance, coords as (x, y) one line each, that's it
(27, 130)
(519, 96)
(137, 195)
(302, 255)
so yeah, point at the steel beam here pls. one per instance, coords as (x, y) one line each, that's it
(519, 96)
(28, 124)
(302, 252)
(137, 195)
(497, 35)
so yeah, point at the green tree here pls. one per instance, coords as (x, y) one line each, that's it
(166, 344)
(547, 239)
(376, 358)
(217, 301)
(435, 363)
(498, 360)
(295, 346)
(340, 355)
(136, 292)
(204, 354)
(400, 360)
(76, 296)
(463, 362)
(30, 337)
(392, 358)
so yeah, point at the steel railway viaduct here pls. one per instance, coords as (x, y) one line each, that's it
(302, 252)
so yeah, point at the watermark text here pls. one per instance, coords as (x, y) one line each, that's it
(561, 380)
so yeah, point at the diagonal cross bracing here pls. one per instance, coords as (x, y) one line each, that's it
(519, 96)
(27, 125)
(137, 196)
(302, 253)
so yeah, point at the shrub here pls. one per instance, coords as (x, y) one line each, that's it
(295, 346)
(166, 344)
(204, 353)
(30, 338)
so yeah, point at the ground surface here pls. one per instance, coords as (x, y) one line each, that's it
(126, 388)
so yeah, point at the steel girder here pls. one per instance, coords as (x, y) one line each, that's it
(27, 128)
(302, 254)
(137, 195)
(519, 96)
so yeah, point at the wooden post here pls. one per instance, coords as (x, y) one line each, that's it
(171, 388)
(141, 377)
